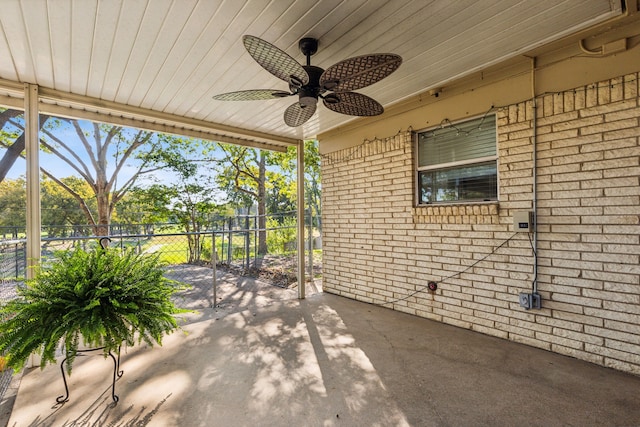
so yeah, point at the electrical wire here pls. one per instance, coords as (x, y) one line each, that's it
(534, 281)
(355, 149)
(443, 280)
(447, 124)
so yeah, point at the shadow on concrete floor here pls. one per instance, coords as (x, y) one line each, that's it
(265, 358)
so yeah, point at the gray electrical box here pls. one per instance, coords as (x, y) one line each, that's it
(523, 221)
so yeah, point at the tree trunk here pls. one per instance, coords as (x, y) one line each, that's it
(104, 215)
(10, 156)
(15, 149)
(194, 240)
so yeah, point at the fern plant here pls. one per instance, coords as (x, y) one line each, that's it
(102, 298)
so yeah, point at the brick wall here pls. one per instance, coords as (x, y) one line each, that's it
(380, 248)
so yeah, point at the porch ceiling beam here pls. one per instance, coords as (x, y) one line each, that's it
(149, 119)
(81, 107)
(70, 112)
(12, 102)
(12, 94)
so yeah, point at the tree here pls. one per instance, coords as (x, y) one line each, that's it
(281, 193)
(188, 200)
(243, 177)
(13, 141)
(313, 179)
(312, 176)
(97, 153)
(268, 179)
(13, 201)
(100, 142)
(188, 204)
(60, 209)
(137, 208)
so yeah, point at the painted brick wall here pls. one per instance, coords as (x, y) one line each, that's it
(380, 248)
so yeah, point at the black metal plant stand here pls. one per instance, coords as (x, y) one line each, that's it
(117, 373)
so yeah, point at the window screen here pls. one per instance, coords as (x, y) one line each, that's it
(458, 163)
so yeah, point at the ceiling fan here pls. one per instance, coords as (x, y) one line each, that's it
(333, 85)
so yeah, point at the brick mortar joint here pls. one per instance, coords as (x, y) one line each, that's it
(459, 214)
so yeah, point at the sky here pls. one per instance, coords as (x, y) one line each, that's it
(50, 161)
(66, 133)
(59, 168)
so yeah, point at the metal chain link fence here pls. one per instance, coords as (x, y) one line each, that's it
(240, 246)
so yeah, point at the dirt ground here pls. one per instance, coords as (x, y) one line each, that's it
(276, 269)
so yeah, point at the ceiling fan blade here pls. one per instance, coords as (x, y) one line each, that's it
(297, 115)
(274, 60)
(353, 104)
(360, 71)
(252, 95)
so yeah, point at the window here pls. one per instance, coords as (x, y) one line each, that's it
(458, 163)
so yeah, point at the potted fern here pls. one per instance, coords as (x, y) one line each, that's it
(102, 298)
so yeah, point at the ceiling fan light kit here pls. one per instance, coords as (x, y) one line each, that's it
(334, 86)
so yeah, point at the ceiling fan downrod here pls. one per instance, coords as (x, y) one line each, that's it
(308, 94)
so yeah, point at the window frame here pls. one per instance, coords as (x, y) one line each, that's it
(442, 166)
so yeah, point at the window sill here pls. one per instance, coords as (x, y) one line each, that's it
(460, 203)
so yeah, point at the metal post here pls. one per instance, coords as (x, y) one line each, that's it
(230, 245)
(247, 243)
(214, 259)
(310, 253)
(32, 140)
(17, 255)
(32, 145)
(300, 215)
(255, 240)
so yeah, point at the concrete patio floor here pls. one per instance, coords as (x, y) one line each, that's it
(265, 358)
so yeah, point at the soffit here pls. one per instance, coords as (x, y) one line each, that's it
(161, 61)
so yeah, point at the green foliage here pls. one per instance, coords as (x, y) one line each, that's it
(103, 298)
(281, 232)
(142, 206)
(13, 202)
(281, 193)
(239, 174)
(207, 252)
(60, 209)
(189, 201)
(287, 163)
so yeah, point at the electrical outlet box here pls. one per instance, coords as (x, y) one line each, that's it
(529, 301)
(523, 221)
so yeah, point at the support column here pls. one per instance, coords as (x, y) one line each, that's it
(32, 145)
(301, 282)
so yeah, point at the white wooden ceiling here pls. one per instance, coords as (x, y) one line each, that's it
(172, 56)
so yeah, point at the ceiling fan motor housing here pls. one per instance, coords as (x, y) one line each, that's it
(308, 94)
